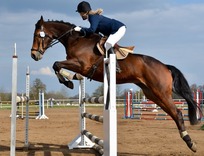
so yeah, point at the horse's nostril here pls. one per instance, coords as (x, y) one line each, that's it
(34, 57)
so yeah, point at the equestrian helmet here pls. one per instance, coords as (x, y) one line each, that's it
(83, 7)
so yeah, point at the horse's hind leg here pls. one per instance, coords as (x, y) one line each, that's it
(177, 116)
(183, 133)
(166, 103)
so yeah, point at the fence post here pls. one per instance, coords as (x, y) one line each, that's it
(110, 112)
(13, 108)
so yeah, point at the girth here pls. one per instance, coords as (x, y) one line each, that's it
(94, 67)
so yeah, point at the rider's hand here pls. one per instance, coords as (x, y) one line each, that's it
(77, 28)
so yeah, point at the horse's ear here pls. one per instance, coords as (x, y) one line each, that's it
(39, 23)
(41, 19)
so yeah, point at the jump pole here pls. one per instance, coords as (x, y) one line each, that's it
(13, 108)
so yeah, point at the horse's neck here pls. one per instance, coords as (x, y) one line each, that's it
(60, 30)
(78, 46)
(73, 41)
(91, 39)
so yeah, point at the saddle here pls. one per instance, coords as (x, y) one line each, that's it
(120, 51)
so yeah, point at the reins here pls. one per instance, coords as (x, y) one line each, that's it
(55, 41)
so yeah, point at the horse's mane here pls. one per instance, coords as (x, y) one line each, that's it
(55, 21)
(70, 24)
(62, 22)
(95, 36)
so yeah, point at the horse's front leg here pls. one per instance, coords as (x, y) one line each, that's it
(64, 76)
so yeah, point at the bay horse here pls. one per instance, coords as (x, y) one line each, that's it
(157, 80)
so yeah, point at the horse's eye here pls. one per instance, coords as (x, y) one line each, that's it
(42, 34)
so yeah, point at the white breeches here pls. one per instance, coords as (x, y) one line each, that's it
(114, 38)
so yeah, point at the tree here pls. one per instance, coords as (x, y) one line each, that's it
(62, 94)
(194, 88)
(99, 91)
(64, 91)
(119, 92)
(36, 87)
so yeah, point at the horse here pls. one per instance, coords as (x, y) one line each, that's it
(157, 80)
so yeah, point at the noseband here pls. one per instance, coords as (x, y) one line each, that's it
(42, 35)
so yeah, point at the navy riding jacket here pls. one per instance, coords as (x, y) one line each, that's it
(102, 24)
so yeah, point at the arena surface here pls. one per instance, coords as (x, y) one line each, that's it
(135, 137)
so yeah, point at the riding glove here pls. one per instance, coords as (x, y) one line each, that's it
(77, 28)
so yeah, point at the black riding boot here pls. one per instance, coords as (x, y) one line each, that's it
(111, 51)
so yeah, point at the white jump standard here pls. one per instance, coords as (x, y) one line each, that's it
(108, 146)
(13, 108)
(17, 99)
(41, 107)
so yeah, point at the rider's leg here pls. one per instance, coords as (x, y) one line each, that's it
(112, 40)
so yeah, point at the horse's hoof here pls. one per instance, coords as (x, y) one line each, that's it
(69, 84)
(193, 147)
(79, 76)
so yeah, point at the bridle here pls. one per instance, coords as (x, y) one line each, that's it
(42, 35)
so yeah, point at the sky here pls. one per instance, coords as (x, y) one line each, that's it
(171, 31)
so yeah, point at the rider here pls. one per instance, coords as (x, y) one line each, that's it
(111, 28)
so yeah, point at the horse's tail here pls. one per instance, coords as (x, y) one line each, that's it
(182, 88)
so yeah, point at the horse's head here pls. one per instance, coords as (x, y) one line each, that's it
(41, 40)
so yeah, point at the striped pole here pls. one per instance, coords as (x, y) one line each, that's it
(157, 114)
(154, 118)
(94, 100)
(93, 117)
(93, 138)
(99, 149)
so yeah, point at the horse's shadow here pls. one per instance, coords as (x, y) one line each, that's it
(48, 150)
(52, 149)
